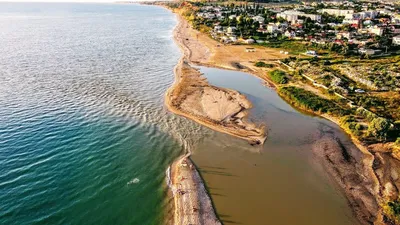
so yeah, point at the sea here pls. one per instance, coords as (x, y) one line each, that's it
(85, 137)
(84, 134)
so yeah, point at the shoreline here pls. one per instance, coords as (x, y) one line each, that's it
(356, 172)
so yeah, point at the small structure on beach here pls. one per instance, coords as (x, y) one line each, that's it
(250, 49)
(249, 41)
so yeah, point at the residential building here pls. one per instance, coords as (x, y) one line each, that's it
(293, 15)
(272, 28)
(396, 40)
(337, 12)
(376, 30)
(259, 19)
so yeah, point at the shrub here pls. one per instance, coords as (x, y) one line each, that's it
(263, 64)
(350, 124)
(379, 127)
(392, 210)
(278, 76)
(310, 101)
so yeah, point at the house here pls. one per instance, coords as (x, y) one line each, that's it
(337, 12)
(217, 28)
(293, 15)
(232, 17)
(249, 41)
(250, 49)
(259, 19)
(313, 53)
(343, 35)
(367, 51)
(396, 40)
(225, 39)
(313, 17)
(351, 21)
(264, 31)
(376, 30)
(272, 27)
(288, 16)
(230, 30)
(290, 34)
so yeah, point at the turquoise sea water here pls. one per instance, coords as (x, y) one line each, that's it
(84, 137)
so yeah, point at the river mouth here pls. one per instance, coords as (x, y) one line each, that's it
(280, 182)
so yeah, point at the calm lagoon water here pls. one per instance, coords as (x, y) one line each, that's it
(85, 138)
(279, 183)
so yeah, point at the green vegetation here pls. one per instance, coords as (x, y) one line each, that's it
(379, 128)
(397, 143)
(370, 116)
(278, 76)
(350, 124)
(363, 124)
(311, 102)
(263, 64)
(392, 210)
(385, 105)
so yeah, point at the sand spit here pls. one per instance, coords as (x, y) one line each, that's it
(192, 203)
(221, 109)
(191, 96)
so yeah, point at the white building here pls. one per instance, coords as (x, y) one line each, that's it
(293, 15)
(291, 34)
(337, 12)
(351, 21)
(249, 41)
(272, 28)
(376, 30)
(259, 19)
(396, 40)
(230, 30)
(361, 15)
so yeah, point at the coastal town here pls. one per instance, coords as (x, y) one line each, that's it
(349, 28)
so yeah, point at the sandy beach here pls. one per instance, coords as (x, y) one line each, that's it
(208, 52)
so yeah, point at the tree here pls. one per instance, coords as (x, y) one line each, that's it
(379, 127)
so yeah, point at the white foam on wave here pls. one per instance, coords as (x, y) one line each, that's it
(133, 181)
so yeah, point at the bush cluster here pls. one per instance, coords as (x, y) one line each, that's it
(310, 101)
(263, 64)
(278, 76)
